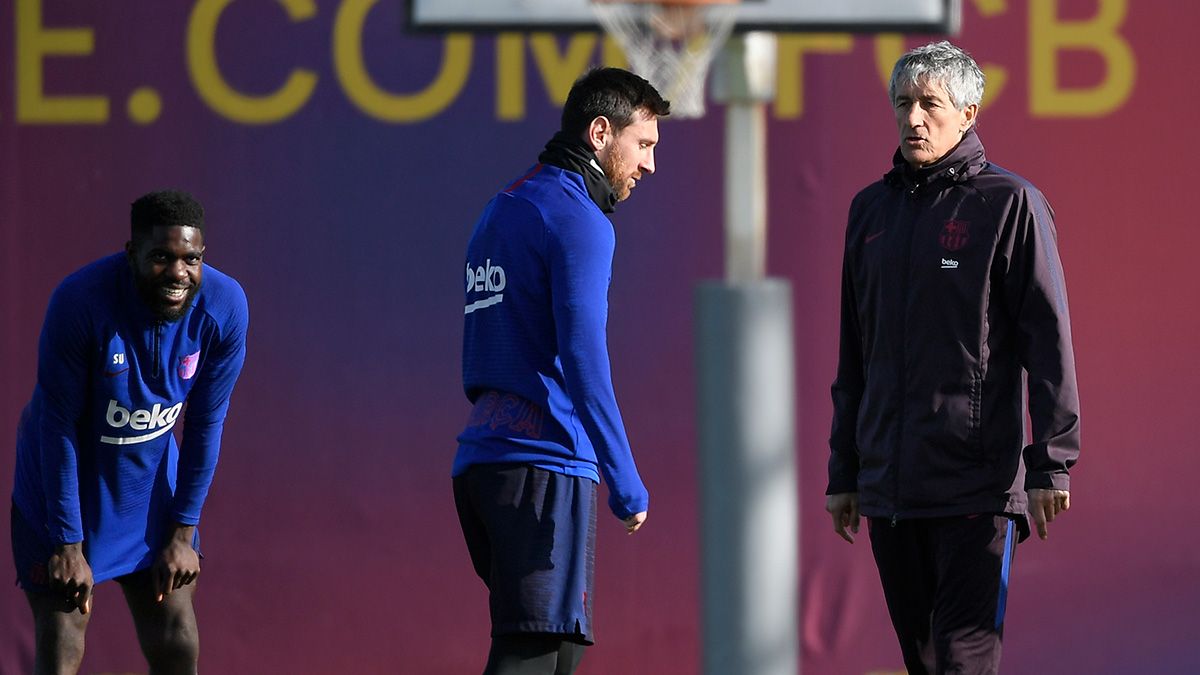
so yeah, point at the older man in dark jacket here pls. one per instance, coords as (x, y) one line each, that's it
(953, 301)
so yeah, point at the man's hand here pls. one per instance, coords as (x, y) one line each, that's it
(70, 572)
(178, 563)
(1044, 505)
(632, 523)
(844, 509)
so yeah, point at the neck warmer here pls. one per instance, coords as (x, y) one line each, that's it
(572, 154)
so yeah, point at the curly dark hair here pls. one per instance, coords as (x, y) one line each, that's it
(613, 93)
(164, 208)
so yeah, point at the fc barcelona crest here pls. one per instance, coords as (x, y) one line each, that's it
(187, 365)
(955, 235)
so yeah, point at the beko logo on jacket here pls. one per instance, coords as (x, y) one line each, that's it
(486, 278)
(158, 421)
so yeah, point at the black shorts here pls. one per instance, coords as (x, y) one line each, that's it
(531, 534)
(30, 554)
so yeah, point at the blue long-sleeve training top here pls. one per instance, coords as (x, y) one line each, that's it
(535, 354)
(97, 459)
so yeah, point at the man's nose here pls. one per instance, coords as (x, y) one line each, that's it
(915, 116)
(647, 166)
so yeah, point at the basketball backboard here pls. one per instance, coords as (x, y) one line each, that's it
(865, 16)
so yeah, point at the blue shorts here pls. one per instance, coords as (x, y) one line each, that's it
(531, 534)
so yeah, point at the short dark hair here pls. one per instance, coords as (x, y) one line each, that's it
(613, 93)
(164, 208)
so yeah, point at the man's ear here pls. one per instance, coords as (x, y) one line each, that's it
(130, 249)
(599, 133)
(969, 114)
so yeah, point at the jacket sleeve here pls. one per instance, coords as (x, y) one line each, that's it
(63, 379)
(1036, 295)
(847, 389)
(207, 405)
(579, 257)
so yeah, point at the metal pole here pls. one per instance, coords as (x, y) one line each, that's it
(748, 488)
(744, 79)
(745, 191)
(746, 403)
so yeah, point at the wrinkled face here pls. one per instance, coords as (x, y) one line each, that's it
(930, 125)
(629, 153)
(167, 267)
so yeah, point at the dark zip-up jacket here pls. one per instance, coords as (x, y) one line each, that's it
(952, 292)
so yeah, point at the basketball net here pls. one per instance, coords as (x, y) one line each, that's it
(671, 44)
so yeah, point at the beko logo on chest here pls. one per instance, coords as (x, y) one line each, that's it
(157, 420)
(486, 278)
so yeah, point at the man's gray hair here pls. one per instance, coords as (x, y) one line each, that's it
(940, 62)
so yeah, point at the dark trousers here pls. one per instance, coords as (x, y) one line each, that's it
(946, 582)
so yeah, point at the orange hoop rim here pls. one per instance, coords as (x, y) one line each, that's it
(668, 3)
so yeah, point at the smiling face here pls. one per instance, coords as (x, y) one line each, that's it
(627, 154)
(930, 126)
(167, 268)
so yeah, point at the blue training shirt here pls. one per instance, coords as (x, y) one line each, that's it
(97, 459)
(535, 354)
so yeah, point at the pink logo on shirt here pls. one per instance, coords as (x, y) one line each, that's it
(955, 234)
(187, 365)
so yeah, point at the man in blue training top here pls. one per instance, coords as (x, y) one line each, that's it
(545, 424)
(102, 490)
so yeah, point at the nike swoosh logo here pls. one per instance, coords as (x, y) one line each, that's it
(108, 374)
(872, 237)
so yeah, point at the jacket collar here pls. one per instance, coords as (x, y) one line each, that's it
(962, 163)
(571, 153)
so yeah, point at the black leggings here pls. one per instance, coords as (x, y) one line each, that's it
(533, 654)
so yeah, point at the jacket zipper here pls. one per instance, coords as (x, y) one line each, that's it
(905, 273)
(156, 338)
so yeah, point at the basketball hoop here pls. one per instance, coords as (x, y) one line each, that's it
(672, 43)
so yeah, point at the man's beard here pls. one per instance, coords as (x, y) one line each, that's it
(614, 168)
(148, 289)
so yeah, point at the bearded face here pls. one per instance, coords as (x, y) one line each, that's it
(167, 269)
(629, 154)
(617, 171)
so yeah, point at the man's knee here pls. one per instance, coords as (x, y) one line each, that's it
(969, 651)
(166, 629)
(173, 644)
(59, 632)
